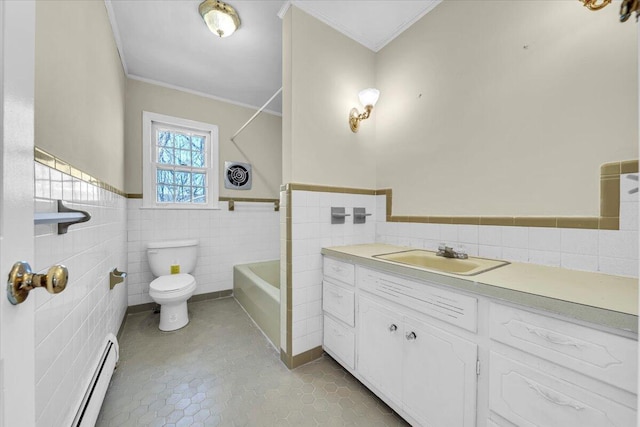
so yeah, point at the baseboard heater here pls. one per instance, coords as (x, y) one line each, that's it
(92, 402)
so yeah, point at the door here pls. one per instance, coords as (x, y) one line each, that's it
(380, 348)
(440, 381)
(17, 360)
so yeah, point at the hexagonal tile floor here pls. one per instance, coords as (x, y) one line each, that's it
(221, 371)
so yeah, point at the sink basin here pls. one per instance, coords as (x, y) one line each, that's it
(428, 260)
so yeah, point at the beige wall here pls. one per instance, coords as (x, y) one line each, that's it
(470, 122)
(287, 113)
(259, 144)
(323, 73)
(79, 88)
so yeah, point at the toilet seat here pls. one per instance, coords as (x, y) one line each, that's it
(172, 283)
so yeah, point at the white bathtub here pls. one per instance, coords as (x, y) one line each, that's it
(256, 287)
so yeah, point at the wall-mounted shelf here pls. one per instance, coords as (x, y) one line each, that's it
(65, 217)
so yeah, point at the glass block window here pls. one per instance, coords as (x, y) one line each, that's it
(181, 164)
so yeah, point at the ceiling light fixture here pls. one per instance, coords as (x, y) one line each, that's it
(222, 19)
(368, 98)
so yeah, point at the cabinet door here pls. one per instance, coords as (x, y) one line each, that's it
(380, 348)
(439, 387)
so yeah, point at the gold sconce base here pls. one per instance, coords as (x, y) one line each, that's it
(355, 118)
(354, 121)
(594, 5)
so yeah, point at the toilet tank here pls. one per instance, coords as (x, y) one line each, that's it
(163, 255)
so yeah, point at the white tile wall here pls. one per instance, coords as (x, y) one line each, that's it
(226, 238)
(606, 251)
(311, 231)
(71, 326)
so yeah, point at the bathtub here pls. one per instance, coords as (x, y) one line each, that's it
(256, 287)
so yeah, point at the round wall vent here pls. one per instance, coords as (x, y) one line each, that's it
(237, 176)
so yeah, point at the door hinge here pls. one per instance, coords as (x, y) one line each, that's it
(477, 367)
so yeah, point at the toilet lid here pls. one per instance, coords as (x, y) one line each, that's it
(171, 282)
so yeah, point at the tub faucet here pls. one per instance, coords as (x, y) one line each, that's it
(449, 252)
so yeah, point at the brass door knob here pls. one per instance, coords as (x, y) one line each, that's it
(22, 280)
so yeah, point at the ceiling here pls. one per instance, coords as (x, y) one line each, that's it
(166, 42)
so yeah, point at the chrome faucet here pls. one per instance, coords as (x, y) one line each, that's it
(449, 252)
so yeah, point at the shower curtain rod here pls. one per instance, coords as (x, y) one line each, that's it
(255, 115)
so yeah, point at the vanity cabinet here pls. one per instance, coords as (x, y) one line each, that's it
(443, 357)
(428, 372)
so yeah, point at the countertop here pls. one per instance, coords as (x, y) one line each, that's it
(610, 301)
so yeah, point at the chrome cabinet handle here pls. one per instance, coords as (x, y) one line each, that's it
(393, 327)
(22, 280)
(411, 336)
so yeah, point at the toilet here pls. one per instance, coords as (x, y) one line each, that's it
(171, 262)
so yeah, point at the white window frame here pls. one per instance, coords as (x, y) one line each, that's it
(149, 196)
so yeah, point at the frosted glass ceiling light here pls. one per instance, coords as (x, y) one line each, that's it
(221, 18)
(368, 98)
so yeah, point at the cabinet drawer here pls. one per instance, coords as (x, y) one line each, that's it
(339, 302)
(339, 270)
(607, 357)
(340, 340)
(528, 397)
(451, 307)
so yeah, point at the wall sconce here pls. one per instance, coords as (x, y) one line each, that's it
(368, 98)
(222, 19)
(626, 8)
(594, 5)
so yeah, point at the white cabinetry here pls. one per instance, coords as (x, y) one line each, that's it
(601, 355)
(419, 346)
(338, 304)
(439, 378)
(380, 343)
(543, 383)
(528, 397)
(428, 372)
(341, 341)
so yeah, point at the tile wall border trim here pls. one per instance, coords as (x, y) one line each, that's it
(60, 165)
(298, 360)
(287, 356)
(231, 200)
(609, 218)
